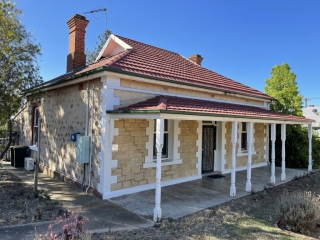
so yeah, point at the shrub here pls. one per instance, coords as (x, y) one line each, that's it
(299, 210)
(297, 147)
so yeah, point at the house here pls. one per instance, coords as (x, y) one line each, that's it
(313, 112)
(154, 119)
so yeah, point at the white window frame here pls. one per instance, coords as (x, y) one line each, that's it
(173, 145)
(242, 152)
(244, 131)
(169, 140)
(35, 126)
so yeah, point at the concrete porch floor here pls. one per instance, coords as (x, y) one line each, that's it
(185, 198)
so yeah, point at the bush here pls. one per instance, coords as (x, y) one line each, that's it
(299, 210)
(297, 147)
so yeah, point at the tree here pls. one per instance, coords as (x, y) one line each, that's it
(287, 99)
(282, 86)
(18, 62)
(93, 54)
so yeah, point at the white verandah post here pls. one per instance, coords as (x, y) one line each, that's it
(273, 153)
(249, 140)
(157, 214)
(283, 153)
(233, 158)
(310, 147)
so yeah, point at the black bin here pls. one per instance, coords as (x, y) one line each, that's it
(12, 155)
(19, 153)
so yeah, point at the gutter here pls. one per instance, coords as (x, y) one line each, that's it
(63, 80)
(198, 114)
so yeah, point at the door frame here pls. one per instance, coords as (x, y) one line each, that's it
(212, 124)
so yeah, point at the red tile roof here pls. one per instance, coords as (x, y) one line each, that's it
(162, 64)
(155, 62)
(202, 107)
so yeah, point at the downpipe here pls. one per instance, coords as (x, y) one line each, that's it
(86, 131)
(90, 157)
(36, 164)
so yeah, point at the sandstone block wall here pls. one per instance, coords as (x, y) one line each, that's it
(258, 157)
(63, 112)
(132, 151)
(187, 92)
(188, 146)
(128, 97)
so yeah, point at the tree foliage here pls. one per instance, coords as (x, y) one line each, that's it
(93, 54)
(282, 86)
(18, 61)
(18, 54)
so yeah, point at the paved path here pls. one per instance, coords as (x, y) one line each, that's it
(103, 215)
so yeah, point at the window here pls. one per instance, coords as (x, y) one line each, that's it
(244, 137)
(171, 143)
(165, 140)
(35, 126)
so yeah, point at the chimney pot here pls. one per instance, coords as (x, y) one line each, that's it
(196, 58)
(76, 57)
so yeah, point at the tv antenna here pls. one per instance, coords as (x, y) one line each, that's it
(99, 10)
(307, 99)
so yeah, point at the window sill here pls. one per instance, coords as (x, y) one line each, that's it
(164, 162)
(34, 148)
(244, 153)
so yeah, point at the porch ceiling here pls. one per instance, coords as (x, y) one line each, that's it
(225, 111)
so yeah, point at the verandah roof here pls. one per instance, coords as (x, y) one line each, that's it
(178, 105)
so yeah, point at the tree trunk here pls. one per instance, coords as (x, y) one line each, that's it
(10, 139)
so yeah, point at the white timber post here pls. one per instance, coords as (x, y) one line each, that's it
(310, 147)
(249, 140)
(233, 158)
(273, 153)
(157, 214)
(283, 153)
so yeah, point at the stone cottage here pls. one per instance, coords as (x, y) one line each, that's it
(154, 119)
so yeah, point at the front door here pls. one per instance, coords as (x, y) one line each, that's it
(208, 147)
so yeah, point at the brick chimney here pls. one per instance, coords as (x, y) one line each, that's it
(196, 58)
(76, 57)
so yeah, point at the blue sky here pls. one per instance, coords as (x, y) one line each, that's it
(241, 40)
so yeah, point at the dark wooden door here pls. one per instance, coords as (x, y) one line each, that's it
(208, 147)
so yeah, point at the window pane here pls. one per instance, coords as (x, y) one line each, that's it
(244, 127)
(165, 125)
(165, 146)
(35, 136)
(154, 146)
(243, 141)
(36, 116)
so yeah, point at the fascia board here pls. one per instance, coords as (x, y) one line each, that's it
(117, 40)
(165, 114)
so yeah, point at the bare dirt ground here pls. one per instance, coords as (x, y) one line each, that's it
(19, 204)
(249, 217)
